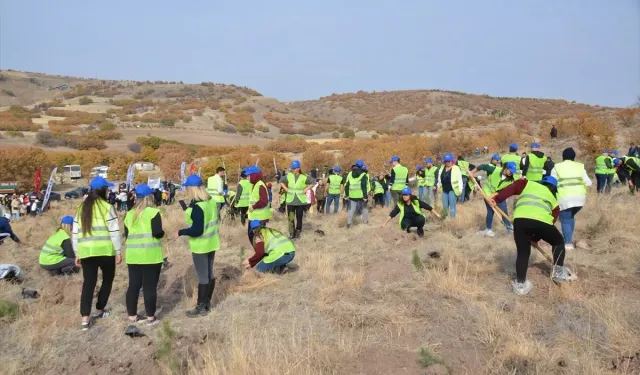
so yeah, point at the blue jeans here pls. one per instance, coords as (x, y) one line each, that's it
(335, 198)
(387, 198)
(568, 223)
(465, 181)
(601, 180)
(276, 264)
(449, 200)
(421, 190)
(609, 182)
(489, 220)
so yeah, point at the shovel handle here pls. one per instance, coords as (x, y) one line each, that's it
(544, 254)
(496, 210)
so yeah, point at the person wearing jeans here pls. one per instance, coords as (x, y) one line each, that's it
(450, 182)
(333, 190)
(497, 179)
(603, 165)
(273, 250)
(355, 190)
(464, 170)
(572, 192)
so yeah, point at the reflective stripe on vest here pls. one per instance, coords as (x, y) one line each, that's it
(296, 187)
(378, 189)
(52, 252)
(601, 165)
(213, 184)
(141, 247)
(421, 180)
(98, 242)
(611, 170)
(400, 177)
(335, 181)
(355, 186)
(209, 240)
(263, 213)
(244, 198)
(536, 202)
(416, 208)
(536, 167)
(430, 176)
(570, 179)
(626, 161)
(275, 245)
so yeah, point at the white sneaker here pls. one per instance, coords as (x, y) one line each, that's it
(569, 246)
(490, 233)
(521, 288)
(481, 232)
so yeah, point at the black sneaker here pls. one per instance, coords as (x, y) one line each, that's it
(105, 313)
(137, 319)
(199, 310)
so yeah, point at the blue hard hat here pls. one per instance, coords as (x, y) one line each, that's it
(406, 191)
(359, 163)
(615, 161)
(495, 157)
(605, 151)
(419, 167)
(295, 164)
(193, 180)
(615, 152)
(337, 169)
(447, 157)
(395, 158)
(429, 161)
(513, 147)
(251, 170)
(550, 180)
(511, 166)
(253, 224)
(99, 182)
(143, 190)
(67, 220)
(535, 145)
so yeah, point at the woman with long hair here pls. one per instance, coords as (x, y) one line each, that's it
(202, 215)
(96, 243)
(56, 255)
(143, 253)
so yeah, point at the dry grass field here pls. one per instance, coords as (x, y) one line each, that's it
(361, 301)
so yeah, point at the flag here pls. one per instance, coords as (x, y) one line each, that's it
(36, 180)
(193, 168)
(130, 174)
(183, 177)
(49, 187)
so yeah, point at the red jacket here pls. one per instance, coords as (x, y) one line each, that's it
(516, 189)
(264, 195)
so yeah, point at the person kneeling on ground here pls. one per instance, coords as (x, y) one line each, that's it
(536, 211)
(56, 255)
(410, 210)
(273, 250)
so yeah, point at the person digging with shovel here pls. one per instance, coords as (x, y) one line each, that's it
(498, 178)
(410, 208)
(536, 210)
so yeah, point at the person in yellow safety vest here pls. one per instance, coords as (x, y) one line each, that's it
(96, 242)
(56, 255)
(378, 192)
(143, 254)
(514, 157)
(296, 185)
(630, 170)
(259, 199)
(334, 189)
(450, 183)
(410, 210)
(399, 179)
(572, 192)
(535, 165)
(356, 192)
(464, 170)
(497, 179)
(273, 250)
(215, 187)
(243, 194)
(611, 172)
(420, 181)
(430, 175)
(536, 212)
(204, 241)
(603, 165)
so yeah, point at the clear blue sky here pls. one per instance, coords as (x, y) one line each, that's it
(583, 50)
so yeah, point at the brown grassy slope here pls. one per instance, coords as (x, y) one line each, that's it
(356, 305)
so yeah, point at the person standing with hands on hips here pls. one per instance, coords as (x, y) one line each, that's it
(96, 242)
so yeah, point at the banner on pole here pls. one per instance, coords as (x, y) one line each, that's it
(37, 178)
(130, 174)
(49, 187)
(199, 170)
(183, 177)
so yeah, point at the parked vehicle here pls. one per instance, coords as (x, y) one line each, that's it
(73, 171)
(102, 171)
(53, 196)
(76, 193)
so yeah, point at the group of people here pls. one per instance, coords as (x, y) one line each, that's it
(19, 206)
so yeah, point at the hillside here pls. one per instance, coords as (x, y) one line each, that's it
(219, 114)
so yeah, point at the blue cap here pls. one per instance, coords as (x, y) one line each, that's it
(535, 145)
(406, 191)
(193, 180)
(295, 164)
(615, 152)
(615, 161)
(99, 182)
(143, 190)
(244, 170)
(336, 169)
(447, 157)
(513, 147)
(550, 180)
(511, 166)
(395, 158)
(429, 161)
(419, 167)
(359, 163)
(251, 170)
(495, 157)
(253, 224)
(605, 151)
(66, 220)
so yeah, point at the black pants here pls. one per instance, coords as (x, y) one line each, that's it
(145, 276)
(90, 266)
(527, 230)
(320, 205)
(413, 221)
(295, 214)
(243, 214)
(378, 199)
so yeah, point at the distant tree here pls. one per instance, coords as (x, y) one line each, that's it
(85, 100)
(135, 147)
(349, 133)
(375, 136)
(335, 135)
(107, 126)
